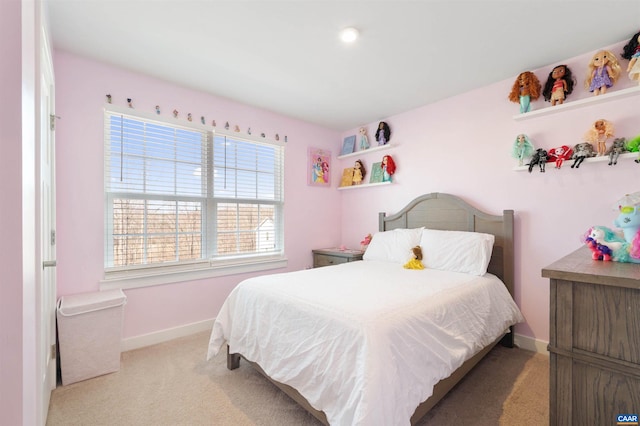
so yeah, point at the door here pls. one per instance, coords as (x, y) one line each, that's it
(47, 297)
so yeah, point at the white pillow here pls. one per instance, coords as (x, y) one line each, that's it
(456, 251)
(393, 246)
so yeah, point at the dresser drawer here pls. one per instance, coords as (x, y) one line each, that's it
(327, 260)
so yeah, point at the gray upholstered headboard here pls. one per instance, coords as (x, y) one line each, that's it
(448, 212)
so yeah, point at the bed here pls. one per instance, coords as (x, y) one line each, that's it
(373, 343)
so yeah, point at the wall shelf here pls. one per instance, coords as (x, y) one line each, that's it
(365, 151)
(609, 96)
(364, 185)
(567, 163)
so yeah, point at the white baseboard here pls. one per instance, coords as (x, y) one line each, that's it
(161, 336)
(530, 344)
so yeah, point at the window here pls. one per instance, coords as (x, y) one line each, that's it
(181, 197)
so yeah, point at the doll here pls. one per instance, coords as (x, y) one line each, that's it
(364, 140)
(416, 259)
(388, 168)
(522, 148)
(539, 158)
(365, 242)
(618, 147)
(559, 154)
(525, 89)
(580, 152)
(559, 84)
(358, 173)
(600, 131)
(603, 72)
(632, 53)
(383, 134)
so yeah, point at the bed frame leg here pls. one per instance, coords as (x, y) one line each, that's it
(233, 360)
(507, 340)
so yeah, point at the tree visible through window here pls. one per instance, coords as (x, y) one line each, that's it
(177, 195)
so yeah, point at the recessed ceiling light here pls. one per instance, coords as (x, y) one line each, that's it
(349, 35)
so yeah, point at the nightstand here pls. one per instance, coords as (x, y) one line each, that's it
(334, 256)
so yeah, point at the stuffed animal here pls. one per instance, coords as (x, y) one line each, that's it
(416, 259)
(606, 244)
(538, 158)
(559, 154)
(622, 245)
(580, 152)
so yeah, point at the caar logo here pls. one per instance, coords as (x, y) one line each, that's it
(627, 419)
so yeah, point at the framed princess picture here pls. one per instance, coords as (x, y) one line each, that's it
(319, 167)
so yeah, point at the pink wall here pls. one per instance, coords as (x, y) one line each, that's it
(461, 145)
(311, 216)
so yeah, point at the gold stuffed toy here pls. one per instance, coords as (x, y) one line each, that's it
(416, 260)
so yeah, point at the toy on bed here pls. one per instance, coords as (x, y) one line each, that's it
(522, 148)
(632, 53)
(538, 158)
(559, 154)
(618, 147)
(416, 259)
(365, 242)
(598, 133)
(602, 72)
(580, 152)
(526, 88)
(619, 245)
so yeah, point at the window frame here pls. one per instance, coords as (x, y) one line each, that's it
(134, 276)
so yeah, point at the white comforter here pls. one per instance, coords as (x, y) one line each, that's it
(365, 341)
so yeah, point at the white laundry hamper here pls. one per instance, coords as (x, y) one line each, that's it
(90, 334)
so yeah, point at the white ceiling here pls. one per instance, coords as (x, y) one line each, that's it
(285, 56)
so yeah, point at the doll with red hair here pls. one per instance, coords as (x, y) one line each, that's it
(525, 89)
(388, 168)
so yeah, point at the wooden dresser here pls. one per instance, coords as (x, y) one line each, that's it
(594, 340)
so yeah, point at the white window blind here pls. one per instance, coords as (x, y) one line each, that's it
(181, 196)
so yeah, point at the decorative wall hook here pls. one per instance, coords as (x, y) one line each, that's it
(108, 99)
(175, 113)
(158, 109)
(130, 102)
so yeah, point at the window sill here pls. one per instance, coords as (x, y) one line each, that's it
(136, 279)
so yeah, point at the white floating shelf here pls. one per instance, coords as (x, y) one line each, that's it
(593, 100)
(364, 185)
(366, 151)
(567, 163)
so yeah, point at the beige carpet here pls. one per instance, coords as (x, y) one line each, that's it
(172, 384)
